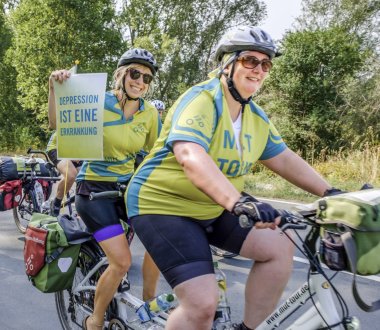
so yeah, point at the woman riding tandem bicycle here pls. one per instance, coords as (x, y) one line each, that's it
(187, 193)
(130, 124)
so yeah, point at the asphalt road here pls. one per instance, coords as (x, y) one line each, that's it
(24, 307)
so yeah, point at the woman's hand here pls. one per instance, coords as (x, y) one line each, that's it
(59, 76)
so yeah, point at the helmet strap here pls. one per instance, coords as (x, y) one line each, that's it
(231, 86)
(127, 96)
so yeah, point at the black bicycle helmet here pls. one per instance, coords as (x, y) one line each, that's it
(138, 55)
(244, 38)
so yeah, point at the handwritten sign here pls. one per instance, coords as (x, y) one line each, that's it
(79, 105)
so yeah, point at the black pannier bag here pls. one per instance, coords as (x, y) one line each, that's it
(13, 168)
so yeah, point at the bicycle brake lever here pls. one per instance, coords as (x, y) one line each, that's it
(291, 221)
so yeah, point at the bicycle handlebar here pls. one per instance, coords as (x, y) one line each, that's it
(105, 194)
(289, 220)
(33, 151)
(108, 194)
(47, 178)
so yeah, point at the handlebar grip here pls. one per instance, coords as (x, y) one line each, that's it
(105, 194)
(288, 221)
(245, 221)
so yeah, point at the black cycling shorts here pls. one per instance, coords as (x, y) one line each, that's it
(102, 216)
(180, 245)
(52, 154)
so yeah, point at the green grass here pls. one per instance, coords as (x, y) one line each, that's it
(347, 171)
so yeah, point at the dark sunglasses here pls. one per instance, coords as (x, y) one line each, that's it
(251, 62)
(135, 74)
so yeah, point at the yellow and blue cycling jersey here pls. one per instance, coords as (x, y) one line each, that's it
(201, 115)
(122, 139)
(52, 144)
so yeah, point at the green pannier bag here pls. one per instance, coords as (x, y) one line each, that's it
(60, 259)
(350, 235)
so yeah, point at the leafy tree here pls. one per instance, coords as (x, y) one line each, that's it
(182, 34)
(11, 119)
(358, 17)
(360, 108)
(303, 91)
(321, 89)
(361, 111)
(49, 35)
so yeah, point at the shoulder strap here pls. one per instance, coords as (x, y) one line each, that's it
(350, 247)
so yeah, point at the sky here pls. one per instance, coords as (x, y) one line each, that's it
(280, 16)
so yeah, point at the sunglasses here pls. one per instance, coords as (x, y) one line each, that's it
(135, 74)
(251, 62)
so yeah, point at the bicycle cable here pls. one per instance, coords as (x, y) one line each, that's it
(313, 261)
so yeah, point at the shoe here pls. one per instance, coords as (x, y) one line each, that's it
(124, 285)
(84, 323)
(54, 210)
(240, 326)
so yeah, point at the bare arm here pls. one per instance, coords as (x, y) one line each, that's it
(297, 171)
(60, 76)
(204, 174)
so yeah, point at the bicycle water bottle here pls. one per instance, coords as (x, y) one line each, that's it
(222, 315)
(39, 193)
(162, 303)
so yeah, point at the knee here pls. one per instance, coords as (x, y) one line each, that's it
(120, 267)
(203, 310)
(282, 255)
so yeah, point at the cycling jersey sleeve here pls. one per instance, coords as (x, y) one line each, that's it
(275, 145)
(193, 120)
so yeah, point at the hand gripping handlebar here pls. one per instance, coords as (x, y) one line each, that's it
(289, 220)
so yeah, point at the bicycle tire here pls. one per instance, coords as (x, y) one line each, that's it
(23, 212)
(222, 253)
(73, 308)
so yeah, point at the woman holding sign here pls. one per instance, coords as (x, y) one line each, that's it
(130, 124)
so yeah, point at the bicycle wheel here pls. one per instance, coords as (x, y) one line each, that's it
(73, 308)
(221, 253)
(23, 212)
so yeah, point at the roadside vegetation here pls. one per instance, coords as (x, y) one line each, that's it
(345, 170)
(322, 94)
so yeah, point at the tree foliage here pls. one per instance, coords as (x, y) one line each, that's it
(307, 81)
(12, 124)
(183, 33)
(323, 93)
(361, 18)
(322, 89)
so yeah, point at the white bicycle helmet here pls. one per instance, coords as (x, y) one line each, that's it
(138, 55)
(160, 106)
(246, 38)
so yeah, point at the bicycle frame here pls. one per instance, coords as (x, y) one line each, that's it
(318, 288)
(323, 312)
(311, 319)
(123, 299)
